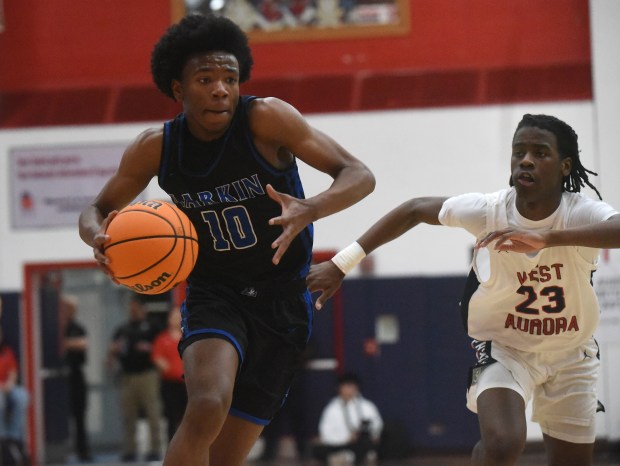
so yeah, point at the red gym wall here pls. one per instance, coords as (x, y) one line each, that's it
(66, 62)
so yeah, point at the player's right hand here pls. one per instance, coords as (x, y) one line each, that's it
(324, 277)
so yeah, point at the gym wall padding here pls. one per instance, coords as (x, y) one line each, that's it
(418, 382)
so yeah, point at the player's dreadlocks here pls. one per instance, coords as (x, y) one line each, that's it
(567, 146)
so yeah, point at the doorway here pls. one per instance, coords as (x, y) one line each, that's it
(102, 306)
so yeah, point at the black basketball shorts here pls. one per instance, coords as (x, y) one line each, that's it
(270, 332)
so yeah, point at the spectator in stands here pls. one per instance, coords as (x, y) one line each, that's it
(349, 423)
(75, 345)
(14, 401)
(166, 358)
(131, 346)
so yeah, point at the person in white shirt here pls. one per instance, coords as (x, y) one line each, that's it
(529, 304)
(349, 422)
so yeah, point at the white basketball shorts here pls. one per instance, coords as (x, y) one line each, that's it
(560, 384)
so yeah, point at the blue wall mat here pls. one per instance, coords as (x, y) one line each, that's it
(420, 381)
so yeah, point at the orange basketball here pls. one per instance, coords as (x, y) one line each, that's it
(153, 246)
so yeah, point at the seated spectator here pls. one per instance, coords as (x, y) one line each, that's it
(349, 423)
(13, 403)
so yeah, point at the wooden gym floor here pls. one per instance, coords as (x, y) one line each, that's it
(533, 456)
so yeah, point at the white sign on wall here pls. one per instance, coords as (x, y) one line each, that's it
(52, 184)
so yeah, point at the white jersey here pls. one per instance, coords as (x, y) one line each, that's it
(538, 302)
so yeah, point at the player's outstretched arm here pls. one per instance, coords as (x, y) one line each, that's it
(281, 129)
(327, 276)
(598, 235)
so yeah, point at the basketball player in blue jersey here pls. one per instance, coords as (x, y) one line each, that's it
(228, 161)
(529, 304)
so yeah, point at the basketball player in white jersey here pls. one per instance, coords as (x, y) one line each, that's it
(529, 304)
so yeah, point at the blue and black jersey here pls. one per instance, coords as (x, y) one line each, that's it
(221, 186)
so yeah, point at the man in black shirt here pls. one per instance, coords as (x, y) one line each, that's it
(131, 346)
(75, 346)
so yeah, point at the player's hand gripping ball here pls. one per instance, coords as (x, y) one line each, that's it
(153, 246)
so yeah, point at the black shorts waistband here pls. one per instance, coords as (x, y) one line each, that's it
(275, 289)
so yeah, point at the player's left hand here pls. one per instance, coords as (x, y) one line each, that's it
(296, 214)
(326, 278)
(510, 239)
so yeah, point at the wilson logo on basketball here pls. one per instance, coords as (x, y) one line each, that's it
(152, 204)
(159, 281)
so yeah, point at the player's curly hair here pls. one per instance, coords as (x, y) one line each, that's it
(567, 146)
(197, 33)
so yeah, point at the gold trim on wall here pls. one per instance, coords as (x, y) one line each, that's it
(290, 20)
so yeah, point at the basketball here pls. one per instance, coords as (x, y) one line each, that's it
(153, 246)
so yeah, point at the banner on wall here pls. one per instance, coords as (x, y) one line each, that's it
(607, 286)
(52, 184)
